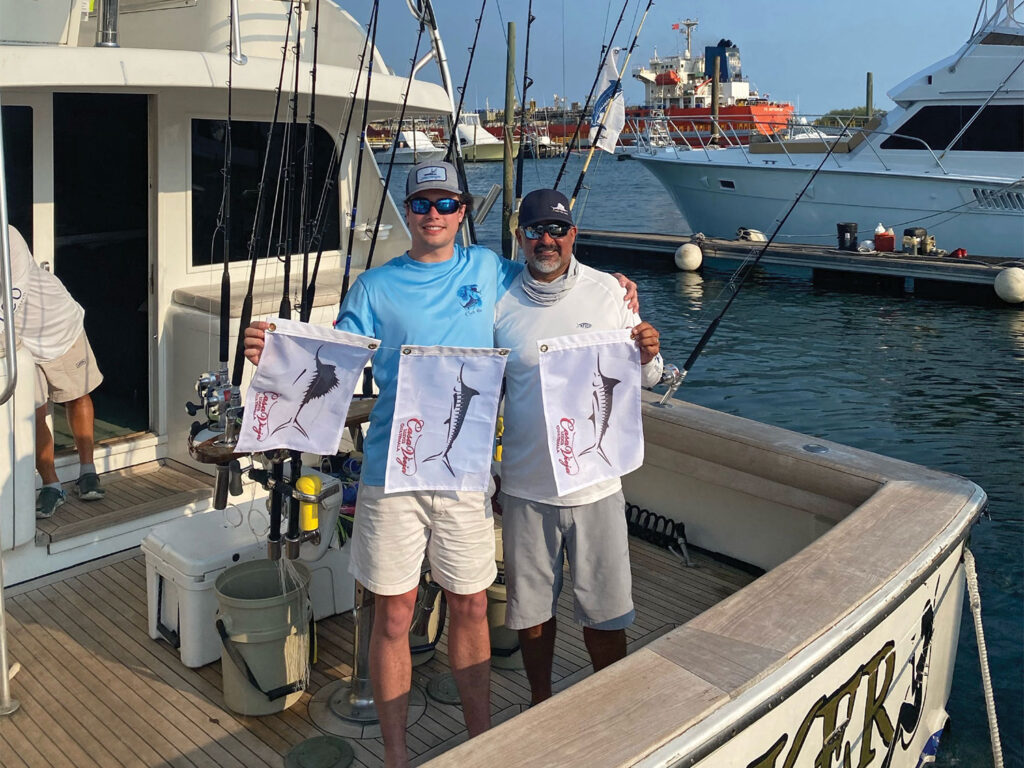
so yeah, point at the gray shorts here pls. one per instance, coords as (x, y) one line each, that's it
(594, 538)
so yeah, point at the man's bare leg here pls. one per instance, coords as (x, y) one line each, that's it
(391, 671)
(469, 653)
(81, 419)
(538, 646)
(44, 448)
(605, 646)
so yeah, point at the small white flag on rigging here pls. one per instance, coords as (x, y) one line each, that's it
(301, 392)
(442, 433)
(590, 386)
(609, 99)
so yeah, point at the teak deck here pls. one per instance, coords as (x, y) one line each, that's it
(95, 690)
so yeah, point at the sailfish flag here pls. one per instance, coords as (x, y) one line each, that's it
(609, 98)
(301, 392)
(590, 386)
(442, 433)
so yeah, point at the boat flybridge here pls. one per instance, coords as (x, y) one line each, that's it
(798, 600)
(949, 159)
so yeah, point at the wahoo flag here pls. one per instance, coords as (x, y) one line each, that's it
(442, 433)
(301, 392)
(610, 98)
(590, 385)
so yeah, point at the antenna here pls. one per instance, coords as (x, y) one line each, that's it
(689, 24)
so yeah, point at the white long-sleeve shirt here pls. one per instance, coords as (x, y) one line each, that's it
(594, 303)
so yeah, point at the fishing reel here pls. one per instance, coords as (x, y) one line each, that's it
(214, 442)
(214, 391)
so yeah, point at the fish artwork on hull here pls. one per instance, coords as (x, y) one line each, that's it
(602, 410)
(323, 382)
(462, 394)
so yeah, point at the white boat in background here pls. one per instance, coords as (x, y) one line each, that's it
(821, 623)
(413, 147)
(478, 144)
(949, 159)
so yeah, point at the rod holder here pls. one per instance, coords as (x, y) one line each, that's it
(106, 24)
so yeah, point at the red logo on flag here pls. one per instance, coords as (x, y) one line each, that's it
(565, 435)
(408, 436)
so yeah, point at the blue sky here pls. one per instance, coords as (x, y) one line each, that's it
(814, 53)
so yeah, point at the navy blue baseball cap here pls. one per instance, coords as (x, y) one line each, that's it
(542, 206)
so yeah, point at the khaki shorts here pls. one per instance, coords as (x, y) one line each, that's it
(536, 537)
(70, 376)
(455, 529)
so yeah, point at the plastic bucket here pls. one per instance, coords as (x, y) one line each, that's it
(263, 621)
(505, 653)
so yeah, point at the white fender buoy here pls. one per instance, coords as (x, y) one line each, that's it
(688, 257)
(1009, 284)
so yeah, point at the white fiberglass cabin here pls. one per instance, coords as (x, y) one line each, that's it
(817, 620)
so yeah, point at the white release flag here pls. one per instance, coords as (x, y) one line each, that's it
(301, 392)
(443, 428)
(609, 98)
(590, 385)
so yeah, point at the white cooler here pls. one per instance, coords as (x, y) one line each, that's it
(184, 558)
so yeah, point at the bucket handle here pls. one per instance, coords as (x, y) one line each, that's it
(237, 658)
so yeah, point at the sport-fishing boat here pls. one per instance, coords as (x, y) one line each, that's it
(948, 160)
(478, 144)
(818, 622)
(413, 147)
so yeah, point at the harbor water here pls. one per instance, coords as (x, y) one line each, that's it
(937, 383)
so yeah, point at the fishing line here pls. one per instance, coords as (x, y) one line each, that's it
(590, 95)
(465, 82)
(743, 272)
(394, 144)
(616, 89)
(329, 179)
(359, 154)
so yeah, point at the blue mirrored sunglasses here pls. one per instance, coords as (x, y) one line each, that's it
(555, 229)
(446, 205)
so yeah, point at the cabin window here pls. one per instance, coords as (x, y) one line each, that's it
(17, 130)
(999, 128)
(248, 148)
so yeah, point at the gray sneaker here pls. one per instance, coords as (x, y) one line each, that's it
(88, 487)
(47, 502)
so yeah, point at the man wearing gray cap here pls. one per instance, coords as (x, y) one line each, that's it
(438, 293)
(557, 296)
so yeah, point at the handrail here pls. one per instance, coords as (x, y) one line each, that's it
(7, 704)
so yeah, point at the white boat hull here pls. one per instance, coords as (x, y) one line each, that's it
(758, 198)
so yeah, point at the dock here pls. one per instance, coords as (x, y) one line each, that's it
(970, 279)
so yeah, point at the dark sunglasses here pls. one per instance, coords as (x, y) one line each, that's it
(555, 229)
(446, 205)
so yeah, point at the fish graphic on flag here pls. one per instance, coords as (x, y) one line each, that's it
(443, 427)
(300, 395)
(590, 387)
(610, 99)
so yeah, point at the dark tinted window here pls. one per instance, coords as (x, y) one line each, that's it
(248, 148)
(17, 128)
(999, 128)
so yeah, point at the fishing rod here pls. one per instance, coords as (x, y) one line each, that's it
(307, 175)
(329, 180)
(615, 88)
(680, 375)
(423, 10)
(465, 82)
(593, 87)
(394, 148)
(359, 155)
(285, 309)
(527, 82)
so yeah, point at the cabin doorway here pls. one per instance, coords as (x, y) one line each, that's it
(101, 247)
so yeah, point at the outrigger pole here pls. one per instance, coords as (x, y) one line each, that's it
(616, 87)
(593, 87)
(394, 148)
(359, 154)
(454, 138)
(744, 272)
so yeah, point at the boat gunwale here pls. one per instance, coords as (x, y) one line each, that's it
(730, 710)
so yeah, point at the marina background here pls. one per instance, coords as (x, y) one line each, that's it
(812, 54)
(932, 382)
